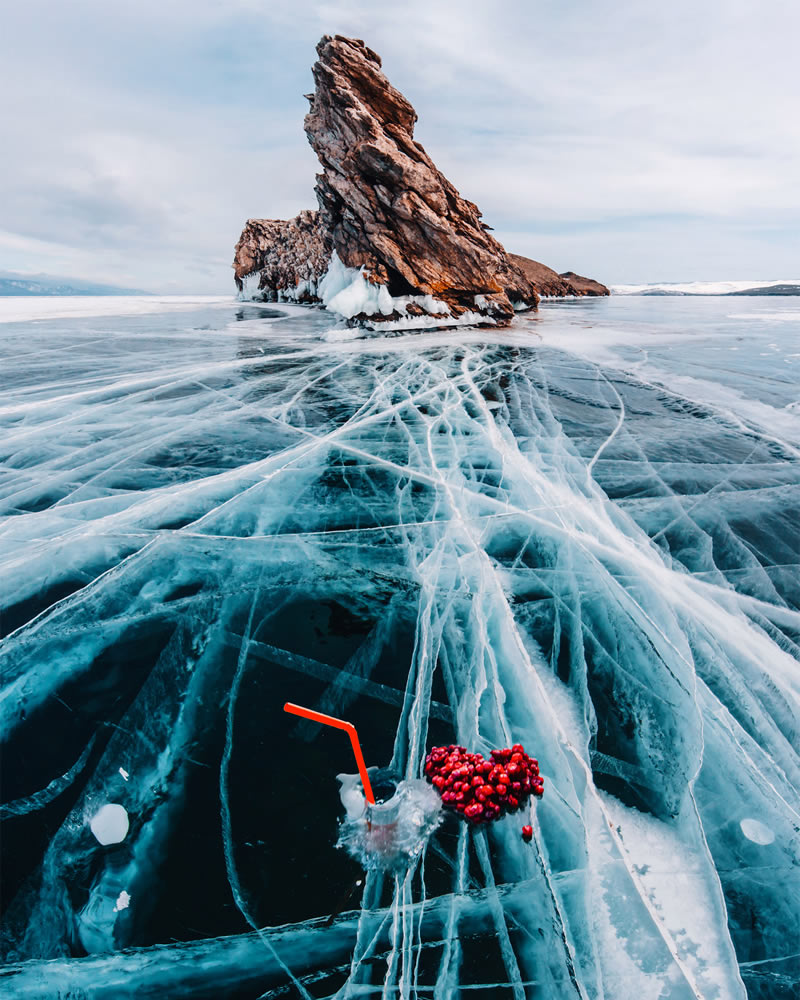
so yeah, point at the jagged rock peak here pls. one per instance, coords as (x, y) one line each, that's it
(385, 207)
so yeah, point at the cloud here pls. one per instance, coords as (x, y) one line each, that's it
(628, 140)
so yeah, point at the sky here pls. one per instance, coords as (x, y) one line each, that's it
(628, 141)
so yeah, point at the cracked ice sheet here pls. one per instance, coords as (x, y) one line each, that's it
(577, 534)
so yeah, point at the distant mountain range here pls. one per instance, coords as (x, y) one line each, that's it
(781, 287)
(12, 283)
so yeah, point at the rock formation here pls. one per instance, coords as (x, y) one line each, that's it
(289, 257)
(393, 240)
(549, 283)
(386, 206)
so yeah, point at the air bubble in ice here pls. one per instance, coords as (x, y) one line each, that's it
(756, 831)
(392, 833)
(110, 824)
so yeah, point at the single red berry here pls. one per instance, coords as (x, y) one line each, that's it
(527, 834)
(473, 810)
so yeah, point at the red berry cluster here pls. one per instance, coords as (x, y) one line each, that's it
(483, 790)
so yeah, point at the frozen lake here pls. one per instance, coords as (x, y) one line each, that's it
(581, 534)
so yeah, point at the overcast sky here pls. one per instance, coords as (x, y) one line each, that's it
(628, 140)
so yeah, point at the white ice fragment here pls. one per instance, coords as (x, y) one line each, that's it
(388, 836)
(352, 796)
(122, 903)
(110, 824)
(124, 773)
(757, 831)
(339, 335)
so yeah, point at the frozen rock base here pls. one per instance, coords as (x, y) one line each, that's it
(585, 541)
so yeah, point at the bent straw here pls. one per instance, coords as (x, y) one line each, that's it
(349, 728)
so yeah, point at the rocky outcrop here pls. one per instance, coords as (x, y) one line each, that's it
(578, 285)
(383, 202)
(550, 284)
(393, 240)
(289, 257)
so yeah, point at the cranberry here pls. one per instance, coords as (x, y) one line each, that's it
(483, 790)
(527, 834)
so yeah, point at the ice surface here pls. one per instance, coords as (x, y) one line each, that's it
(16, 309)
(580, 534)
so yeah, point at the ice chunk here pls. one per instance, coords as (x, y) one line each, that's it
(110, 824)
(346, 291)
(123, 902)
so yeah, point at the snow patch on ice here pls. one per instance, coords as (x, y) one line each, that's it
(339, 335)
(671, 870)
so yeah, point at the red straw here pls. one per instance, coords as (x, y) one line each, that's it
(349, 728)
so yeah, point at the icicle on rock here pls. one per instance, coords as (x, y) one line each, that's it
(390, 834)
